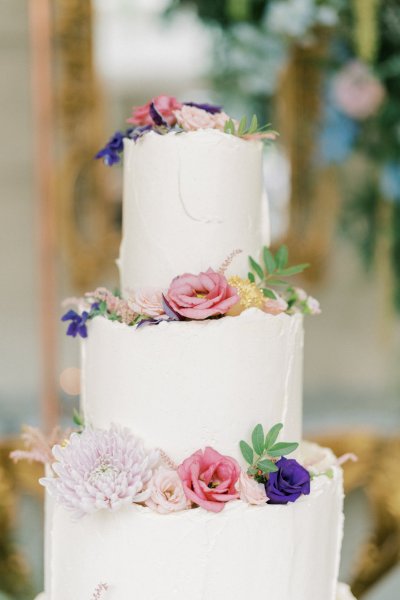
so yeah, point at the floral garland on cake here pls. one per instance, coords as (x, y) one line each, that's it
(206, 295)
(107, 469)
(165, 114)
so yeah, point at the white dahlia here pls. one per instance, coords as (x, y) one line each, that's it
(101, 469)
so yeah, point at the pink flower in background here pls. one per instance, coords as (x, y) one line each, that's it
(191, 118)
(313, 306)
(275, 306)
(209, 479)
(357, 92)
(201, 296)
(251, 491)
(101, 469)
(166, 106)
(147, 302)
(167, 493)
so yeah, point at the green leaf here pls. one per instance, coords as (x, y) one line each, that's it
(282, 449)
(257, 439)
(269, 260)
(252, 471)
(268, 293)
(281, 256)
(78, 419)
(253, 125)
(229, 127)
(256, 267)
(272, 435)
(275, 281)
(293, 270)
(247, 452)
(242, 125)
(250, 277)
(267, 466)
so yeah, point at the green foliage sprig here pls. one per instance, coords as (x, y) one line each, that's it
(274, 271)
(241, 129)
(264, 450)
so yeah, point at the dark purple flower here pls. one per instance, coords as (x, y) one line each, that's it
(288, 483)
(78, 323)
(172, 314)
(112, 150)
(156, 116)
(210, 108)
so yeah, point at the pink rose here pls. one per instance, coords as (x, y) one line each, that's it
(147, 302)
(201, 296)
(274, 306)
(167, 493)
(251, 491)
(209, 479)
(357, 92)
(191, 118)
(166, 105)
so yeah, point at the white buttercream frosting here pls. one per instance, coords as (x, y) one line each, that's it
(183, 386)
(201, 555)
(190, 199)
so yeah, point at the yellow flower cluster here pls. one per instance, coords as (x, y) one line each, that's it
(250, 295)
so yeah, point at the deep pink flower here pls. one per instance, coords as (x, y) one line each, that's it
(166, 105)
(209, 479)
(201, 296)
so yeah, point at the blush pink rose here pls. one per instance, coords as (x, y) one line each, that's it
(191, 118)
(275, 306)
(147, 302)
(209, 479)
(166, 106)
(201, 296)
(251, 491)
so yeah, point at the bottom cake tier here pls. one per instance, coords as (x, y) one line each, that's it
(290, 552)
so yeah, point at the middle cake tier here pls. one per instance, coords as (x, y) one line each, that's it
(183, 386)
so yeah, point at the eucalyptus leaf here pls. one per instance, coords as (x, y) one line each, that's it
(250, 277)
(267, 466)
(252, 471)
(268, 293)
(282, 449)
(78, 419)
(272, 435)
(256, 267)
(269, 260)
(293, 270)
(257, 439)
(247, 452)
(282, 256)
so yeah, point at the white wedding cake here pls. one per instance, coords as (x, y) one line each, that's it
(178, 486)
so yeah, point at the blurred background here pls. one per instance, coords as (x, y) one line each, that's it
(326, 74)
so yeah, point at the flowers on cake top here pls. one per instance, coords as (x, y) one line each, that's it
(107, 469)
(209, 479)
(101, 469)
(164, 114)
(206, 295)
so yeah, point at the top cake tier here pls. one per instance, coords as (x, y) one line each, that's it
(190, 199)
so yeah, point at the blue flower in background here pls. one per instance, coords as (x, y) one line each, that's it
(390, 181)
(337, 136)
(78, 323)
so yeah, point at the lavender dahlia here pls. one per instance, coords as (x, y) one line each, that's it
(101, 469)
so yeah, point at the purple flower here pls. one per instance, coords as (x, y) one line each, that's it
(210, 108)
(288, 483)
(112, 150)
(101, 469)
(156, 116)
(138, 132)
(78, 323)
